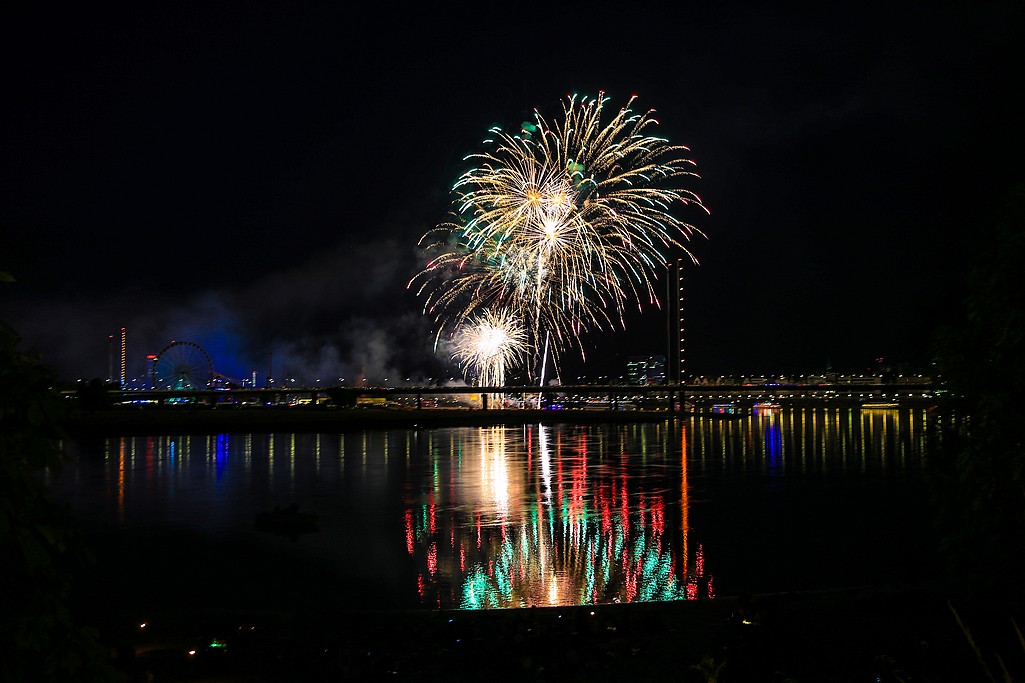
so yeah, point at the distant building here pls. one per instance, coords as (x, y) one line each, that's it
(646, 370)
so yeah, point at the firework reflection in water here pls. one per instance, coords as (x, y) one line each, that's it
(542, 517)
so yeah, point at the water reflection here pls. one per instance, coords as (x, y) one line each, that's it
(552, 516)
(498, 516)
(782, 440)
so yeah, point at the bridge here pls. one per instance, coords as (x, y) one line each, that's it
(671, 397)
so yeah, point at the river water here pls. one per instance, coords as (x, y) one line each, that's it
(782, 499)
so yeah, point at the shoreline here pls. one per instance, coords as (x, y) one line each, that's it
(869, 633)
(187, 420)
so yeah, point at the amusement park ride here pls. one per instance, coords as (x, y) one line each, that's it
(185, 366)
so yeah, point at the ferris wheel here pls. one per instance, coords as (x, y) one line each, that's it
(183, 365)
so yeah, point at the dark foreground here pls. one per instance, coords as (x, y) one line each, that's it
(878, 635)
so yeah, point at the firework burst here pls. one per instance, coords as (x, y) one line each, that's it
(489, 344)
(561, 224)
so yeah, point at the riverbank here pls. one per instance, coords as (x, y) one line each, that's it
(853, 635)
(133, 421)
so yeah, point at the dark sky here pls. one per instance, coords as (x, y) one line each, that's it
(255, 179)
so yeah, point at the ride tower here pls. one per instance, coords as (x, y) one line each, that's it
(110, 359)
(124, 357)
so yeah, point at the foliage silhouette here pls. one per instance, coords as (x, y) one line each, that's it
(40, 548)
(980, 461)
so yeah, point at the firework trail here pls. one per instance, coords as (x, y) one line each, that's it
(562, 225)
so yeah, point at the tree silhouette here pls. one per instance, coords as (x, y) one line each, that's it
(980, 463)
(40, 548)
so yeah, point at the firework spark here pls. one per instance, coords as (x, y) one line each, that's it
(563, 225)
(488, 345)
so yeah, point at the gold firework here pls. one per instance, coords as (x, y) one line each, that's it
(489, 344)
(561, 224)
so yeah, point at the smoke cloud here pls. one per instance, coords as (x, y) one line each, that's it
(343, 315)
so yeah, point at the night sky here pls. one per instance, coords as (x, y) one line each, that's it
(255, 179)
